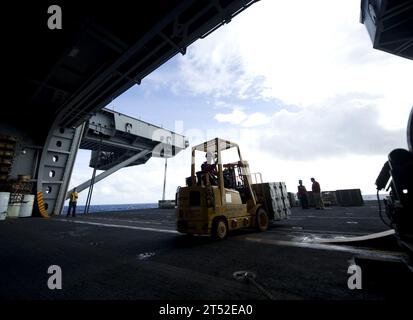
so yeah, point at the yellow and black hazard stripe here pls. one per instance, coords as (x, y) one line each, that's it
(40, 205)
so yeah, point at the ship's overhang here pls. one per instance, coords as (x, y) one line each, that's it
(390, 25)
(63, 76)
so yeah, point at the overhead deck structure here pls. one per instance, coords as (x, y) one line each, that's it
(59, 78)
(390, 25)
(113, 137)
(65, 75)
(117, 141)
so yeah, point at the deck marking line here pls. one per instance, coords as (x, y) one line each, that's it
(396, 256)
(120, 226)
(330, 218)
(359, 238)
(121, 220)
(314, 231)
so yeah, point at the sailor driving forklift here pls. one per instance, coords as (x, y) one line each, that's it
(210, 167)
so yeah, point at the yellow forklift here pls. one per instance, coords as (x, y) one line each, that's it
(221, 197)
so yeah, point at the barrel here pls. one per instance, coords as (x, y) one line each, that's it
(14, 205)
(26, 208)
(14, 210)
(4, 204)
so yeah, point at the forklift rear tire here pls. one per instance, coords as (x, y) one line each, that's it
(220, 229)
(262, 220)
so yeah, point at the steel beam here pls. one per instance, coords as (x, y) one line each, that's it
(56, 165)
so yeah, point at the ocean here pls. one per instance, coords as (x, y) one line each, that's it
(373, 197)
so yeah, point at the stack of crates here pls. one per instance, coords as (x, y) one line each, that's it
(292, 198)
(274, 196)
(349, 197)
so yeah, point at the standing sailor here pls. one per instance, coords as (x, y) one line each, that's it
(72, 203)
(319, 204)
(302, 195)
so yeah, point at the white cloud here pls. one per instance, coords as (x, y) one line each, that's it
(301, 52)
(218, 72)
(256, 119)
(347, 125)
(235, 117)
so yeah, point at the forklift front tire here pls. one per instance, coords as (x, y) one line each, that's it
(220, 229)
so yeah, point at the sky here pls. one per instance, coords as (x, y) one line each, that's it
(295, 83)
